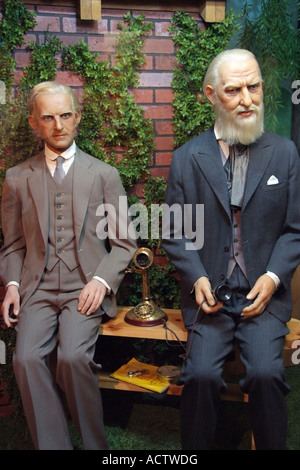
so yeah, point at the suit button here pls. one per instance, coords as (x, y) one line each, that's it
(226, 249)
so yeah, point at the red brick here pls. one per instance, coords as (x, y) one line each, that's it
(27, 38)
(69, 79)
(22, 59)
(164, 143)
(48, 23)
(148, 65)
(70, 39)
(114, 26)
(143, 96)
(163, 159)
(72, 25)
(164, 96)
(18, 74)
(103, 44)
(164, 128)
(159, 112)
(161, 46)
(162, 28)
(160, 172)
(54, 8)
(165, 62)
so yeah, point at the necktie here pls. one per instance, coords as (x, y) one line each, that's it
(238, 157)
(59, 173)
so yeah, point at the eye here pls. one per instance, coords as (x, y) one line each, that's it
(47, 118)
(232, 91)
(66, 116)
(253, 88)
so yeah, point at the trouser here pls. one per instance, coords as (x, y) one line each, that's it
(260, 341)
(50, 318)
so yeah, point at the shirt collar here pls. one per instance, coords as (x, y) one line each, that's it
(223, 145)
(69, 153)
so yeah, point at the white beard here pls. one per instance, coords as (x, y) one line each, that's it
(234, 129)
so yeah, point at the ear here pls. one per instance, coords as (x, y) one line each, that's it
(78, 117)
(32, 122)
(210, 94)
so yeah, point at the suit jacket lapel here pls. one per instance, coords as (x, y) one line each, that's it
(37, 182)
(260, 155)
(210, 163)
(82, 185)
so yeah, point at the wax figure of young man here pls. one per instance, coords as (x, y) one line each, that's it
(60, 275)
(248, 180)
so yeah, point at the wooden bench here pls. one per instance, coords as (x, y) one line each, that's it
(118, 327)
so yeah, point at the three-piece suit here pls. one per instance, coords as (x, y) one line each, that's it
(52, 249)
(270, 241)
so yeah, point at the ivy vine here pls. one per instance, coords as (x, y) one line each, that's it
(195, 49)
(16, 22)
(113, 127)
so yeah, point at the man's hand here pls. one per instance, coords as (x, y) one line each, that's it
(11, 306)
(204, 296)
(91, 297)
(262, 292)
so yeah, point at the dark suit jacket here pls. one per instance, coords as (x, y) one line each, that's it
(25, 224)
(270, 218)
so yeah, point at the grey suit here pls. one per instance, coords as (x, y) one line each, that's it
(49, 297)
(270, 233)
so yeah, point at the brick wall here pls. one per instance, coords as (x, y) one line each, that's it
(154, 93)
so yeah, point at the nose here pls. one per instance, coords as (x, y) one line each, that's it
(58, 123)
(246, 99)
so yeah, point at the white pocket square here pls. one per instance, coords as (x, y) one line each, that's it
(272, 180)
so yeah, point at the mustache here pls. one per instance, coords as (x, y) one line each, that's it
(243, 109)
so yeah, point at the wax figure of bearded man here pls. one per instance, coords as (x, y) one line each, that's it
(248, 181)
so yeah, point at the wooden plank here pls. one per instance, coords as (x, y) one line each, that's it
(90, 9)
(118, 327)
(213, 11)
(234, 392)
(105, 381)
(191, 6)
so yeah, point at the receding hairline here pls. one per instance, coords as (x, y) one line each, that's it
(48, 88)
(212, 76)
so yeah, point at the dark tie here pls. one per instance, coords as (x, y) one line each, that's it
(59, 173)
(238, 161)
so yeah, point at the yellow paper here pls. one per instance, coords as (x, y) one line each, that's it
(150, 380)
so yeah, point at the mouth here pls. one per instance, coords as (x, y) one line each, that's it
(245, 114)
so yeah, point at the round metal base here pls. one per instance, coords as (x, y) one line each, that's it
(146, 314)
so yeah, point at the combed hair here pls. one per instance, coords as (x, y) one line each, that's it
(212, 77)
(52, 88)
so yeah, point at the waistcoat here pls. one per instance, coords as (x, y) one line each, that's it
(236, 252)
(61, 241)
